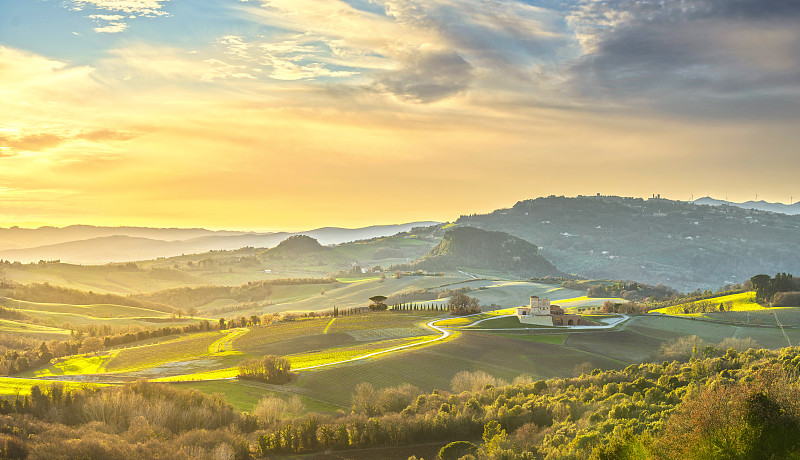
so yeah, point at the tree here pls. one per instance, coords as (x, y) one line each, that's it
(462, 304)
(761, 283)
(378, 303)
(457, 449)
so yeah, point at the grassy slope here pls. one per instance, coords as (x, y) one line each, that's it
(34, 330)
(95, 310)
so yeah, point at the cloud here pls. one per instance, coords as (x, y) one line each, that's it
(710, 58)
(44, 141)
(33, 142)
(113, 23)
(419, 51)
(129, 7)
(112, 28)
(427, 77)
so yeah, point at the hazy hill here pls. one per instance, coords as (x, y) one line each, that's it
(680, 244)
(99, 245)
(296, 245)
(760, 205)
(469, 247)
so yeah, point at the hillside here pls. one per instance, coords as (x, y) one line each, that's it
(469, 247)
(680, 244)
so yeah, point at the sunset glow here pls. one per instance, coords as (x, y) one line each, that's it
(295, 114)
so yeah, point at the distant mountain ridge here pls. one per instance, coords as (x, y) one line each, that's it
(101, 245)
(761, 205)
(680, 244)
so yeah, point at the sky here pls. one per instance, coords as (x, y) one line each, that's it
(297, 114)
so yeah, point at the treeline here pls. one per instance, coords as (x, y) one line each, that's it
(767, 287)
(186, 298)
(631, 290)
(47, 293)
(713, 403)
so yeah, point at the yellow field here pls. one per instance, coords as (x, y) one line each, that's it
(744, 301)
(10, 386)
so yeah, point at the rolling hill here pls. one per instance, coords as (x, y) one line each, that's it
(469, 247)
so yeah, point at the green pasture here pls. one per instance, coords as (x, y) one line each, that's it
(245, 394)
(433, 367)
(670, 328)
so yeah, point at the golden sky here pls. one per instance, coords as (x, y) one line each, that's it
(296, 114)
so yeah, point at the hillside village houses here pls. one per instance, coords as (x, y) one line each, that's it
(542, 313)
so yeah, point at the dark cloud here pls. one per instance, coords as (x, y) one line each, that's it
(720, 57)
(427, 77)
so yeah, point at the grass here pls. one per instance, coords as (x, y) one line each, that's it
(508, 322)
(553, 339)
(744, 301)
(461, 321)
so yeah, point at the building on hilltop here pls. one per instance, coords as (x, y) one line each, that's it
(542, 313)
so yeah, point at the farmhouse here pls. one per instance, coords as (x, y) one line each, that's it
(542, 313)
